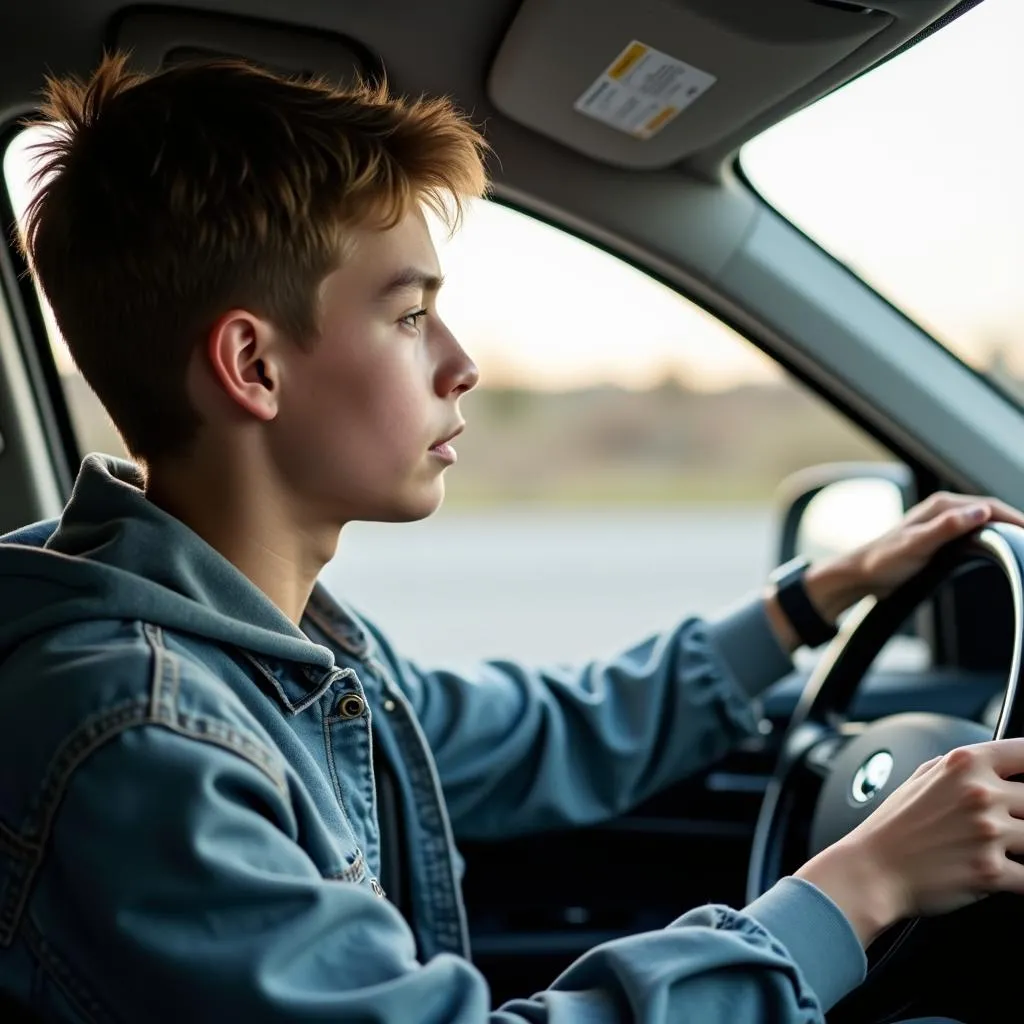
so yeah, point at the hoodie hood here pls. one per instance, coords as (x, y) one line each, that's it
(113, 554)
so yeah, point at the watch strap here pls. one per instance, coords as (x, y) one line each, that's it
(791, 592)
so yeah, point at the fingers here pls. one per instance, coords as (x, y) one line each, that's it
(1011, 796)
(927, 766)
(942, 502)
(991, 783)
(926, 537)
(1004, 757)
(955, 522)
(1003, 513)
(937, 504)
(1002, 875)
(1014, 841)
(1001, 830)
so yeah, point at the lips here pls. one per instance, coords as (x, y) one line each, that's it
(448, 437)
(443, 450)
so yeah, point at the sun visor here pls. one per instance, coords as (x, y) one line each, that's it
(646, 83)
(161, 38)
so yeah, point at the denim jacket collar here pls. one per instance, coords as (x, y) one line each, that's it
(165, 571)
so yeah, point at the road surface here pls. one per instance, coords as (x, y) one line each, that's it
(548, 584)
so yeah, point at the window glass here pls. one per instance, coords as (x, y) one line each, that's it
(911, 175)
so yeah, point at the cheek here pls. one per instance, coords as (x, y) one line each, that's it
(367, 418)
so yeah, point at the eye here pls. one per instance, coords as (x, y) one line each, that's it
(413, 319)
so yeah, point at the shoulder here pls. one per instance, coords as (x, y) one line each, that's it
(68, 692)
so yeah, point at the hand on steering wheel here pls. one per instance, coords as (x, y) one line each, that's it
(878, 567)
(944, 838)
(938, 843)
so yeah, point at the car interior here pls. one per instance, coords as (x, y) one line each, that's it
(653, 178)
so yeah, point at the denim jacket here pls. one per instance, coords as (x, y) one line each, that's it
(188, 810)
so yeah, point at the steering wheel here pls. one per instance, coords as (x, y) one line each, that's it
(832, 772)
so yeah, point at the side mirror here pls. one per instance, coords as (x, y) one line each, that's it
(831, 509)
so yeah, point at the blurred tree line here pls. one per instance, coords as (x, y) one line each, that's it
(668, 444)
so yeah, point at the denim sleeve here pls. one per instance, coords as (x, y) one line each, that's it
(175, 890)
(521, 749)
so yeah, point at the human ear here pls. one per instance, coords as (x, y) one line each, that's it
(241, 355)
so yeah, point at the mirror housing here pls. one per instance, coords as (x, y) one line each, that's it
(833, 508)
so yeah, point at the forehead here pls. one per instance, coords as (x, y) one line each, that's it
(375, 257)
(374, 261)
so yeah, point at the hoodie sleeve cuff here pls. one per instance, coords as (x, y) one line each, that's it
(816, 934)
(745, 641)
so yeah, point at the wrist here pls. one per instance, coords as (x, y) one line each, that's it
(827, 589)
(834, 586)
(870, 899)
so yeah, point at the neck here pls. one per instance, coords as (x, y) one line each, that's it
(245, 516)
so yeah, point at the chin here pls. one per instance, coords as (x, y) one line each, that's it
(415, 506)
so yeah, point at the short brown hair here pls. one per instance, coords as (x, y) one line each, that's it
(166, 199)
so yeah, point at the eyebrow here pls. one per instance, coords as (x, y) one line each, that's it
(411, 278)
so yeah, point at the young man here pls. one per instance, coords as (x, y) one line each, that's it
(189, 812)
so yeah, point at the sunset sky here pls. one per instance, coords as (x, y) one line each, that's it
(909, 175)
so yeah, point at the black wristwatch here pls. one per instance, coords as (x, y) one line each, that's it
(808, 624)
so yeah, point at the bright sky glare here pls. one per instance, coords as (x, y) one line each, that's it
(911, 176)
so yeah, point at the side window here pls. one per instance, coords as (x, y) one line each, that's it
(618, 467)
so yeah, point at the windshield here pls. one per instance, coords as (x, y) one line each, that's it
(911, 175)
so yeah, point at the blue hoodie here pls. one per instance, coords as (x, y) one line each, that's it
(188, 810)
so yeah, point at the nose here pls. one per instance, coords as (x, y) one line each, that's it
(456, 373)
(469, 376)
